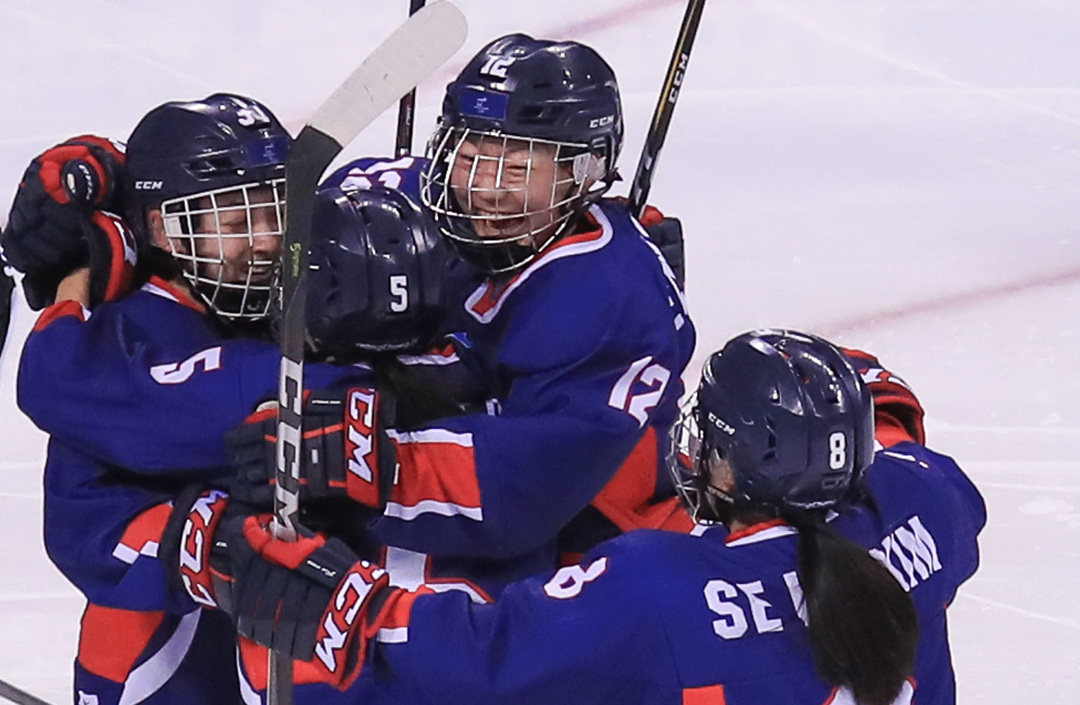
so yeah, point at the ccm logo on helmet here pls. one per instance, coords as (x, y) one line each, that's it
(149, 185)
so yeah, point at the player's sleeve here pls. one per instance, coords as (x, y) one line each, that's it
(104, 535)
(578, 410)
(581, 635)
(940, 513)
(146, 385)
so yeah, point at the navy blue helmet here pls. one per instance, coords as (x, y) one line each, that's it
(782, 414)
(544, 101)
(214, 169)
(376, 274)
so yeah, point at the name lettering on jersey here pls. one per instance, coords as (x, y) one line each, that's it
(359, 439)
(721, 596)
(653, 377)
(569, 581)
(180, 372)
(910, 553)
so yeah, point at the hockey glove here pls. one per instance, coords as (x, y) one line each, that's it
(898, 415)
(194, 544)
(667, 235)
(307, 598)
(56, 224)
(345, 449)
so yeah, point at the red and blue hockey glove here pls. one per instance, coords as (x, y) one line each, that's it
(194, 544)
(59, 220)
(898, 415)
(345, 451)
(309, 598)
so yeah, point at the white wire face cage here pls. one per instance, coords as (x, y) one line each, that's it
(683, 457)
(694, 465)
(228, 243)
(502, 199)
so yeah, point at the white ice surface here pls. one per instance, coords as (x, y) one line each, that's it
(901, 175)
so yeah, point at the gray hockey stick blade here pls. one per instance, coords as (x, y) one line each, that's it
(419, 46)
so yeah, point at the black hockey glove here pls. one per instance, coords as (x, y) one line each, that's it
(898, 415)
(308, 598)
(667, 235)
(57, 223)
(345, 451)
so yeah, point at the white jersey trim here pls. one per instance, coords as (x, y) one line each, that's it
(461, 587)
(129, 555)
(396, 635)
(431, 435)
(433, 359)
(431, 506)
(772, 532)
(148, 678)
(247, 692)
(158, 291)
(557, 253)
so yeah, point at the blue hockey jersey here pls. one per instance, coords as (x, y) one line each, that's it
(151, 358)
(582, 351)
(660, 617)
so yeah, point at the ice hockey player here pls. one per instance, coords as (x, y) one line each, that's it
(114, 525)
(821, 574)
(562, 307)
(580, 337)
(203, 182)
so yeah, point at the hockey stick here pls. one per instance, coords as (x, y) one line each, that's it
(665, 107)
(416, 49)
(406, 116)
(7, 290)
(18, 696)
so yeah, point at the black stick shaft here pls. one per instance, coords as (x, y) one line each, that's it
(665, 107)
(406, 118)
(309, 156)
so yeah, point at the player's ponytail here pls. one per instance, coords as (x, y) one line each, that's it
(863, 626)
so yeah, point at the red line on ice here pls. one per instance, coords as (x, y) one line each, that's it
(951, 302)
